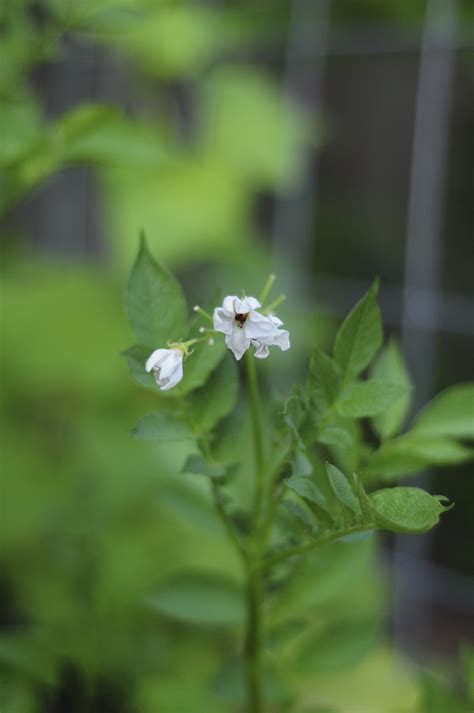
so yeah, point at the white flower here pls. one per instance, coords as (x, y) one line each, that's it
(167, 365)
(242, 325)
(280, 339)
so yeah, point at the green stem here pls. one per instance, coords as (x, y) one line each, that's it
(253, 641)
(227, 523)
(253, 636)
(308, 546)
(256, 416)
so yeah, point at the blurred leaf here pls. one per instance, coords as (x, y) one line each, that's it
(340, 647)
(360, 335)
(168, 694)
(324, 380)
(301, 466)
(196, 464)
(438, 697)
(267, 150)
(450, 413)
(198, 368)
(200, 598)
(136, 357)
(342, 488)
(368, 398)
(407, 510)
(213, 401)
(98, 133)
(162, 426)
(412, 453)
(364, 501)
(304, 517)
(390, 366)
(305, 488)
(156, 304)
(231, 686)
(172, 40)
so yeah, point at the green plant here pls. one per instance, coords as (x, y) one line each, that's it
(314, 477)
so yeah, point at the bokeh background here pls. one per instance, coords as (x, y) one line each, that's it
(328, 140)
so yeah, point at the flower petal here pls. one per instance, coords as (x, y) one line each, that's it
(175, 377)
(237, 342)
(248, 304)
(261, 350)
(223, 322)
(170, 364)
(283, 340)
(229, 304)
(258, 326)
(275, 320)
(156, 358)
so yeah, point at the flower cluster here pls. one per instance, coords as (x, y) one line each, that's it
(243, 327)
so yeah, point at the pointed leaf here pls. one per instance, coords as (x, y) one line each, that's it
(412, 453)
(200, 598)
(155, 302)
(305, 488)
(162, 426)
(390, 366)
(303, 516)
(364, 500)
(360, 335)
(342, 488)
(324, 380)
(368, 398)
(450, 413)
(196, 464)
(407, 510)
(214, 400)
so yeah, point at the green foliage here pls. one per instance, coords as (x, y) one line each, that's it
(155, 302)
(199, 598)
(391, 367)
(162, 426)
(359, 336)
(369, 398)
(450, 414)
(407, 510)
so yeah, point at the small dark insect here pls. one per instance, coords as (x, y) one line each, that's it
(240, 318)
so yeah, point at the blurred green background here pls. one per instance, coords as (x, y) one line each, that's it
(328, 140)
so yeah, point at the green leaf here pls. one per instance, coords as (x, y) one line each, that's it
(324, 380)
(304, 517)
(156, 304)
(364, 500)
(305, 488)
(217, 398)
(360, 335)
(162, 426)
(342, 488)
(390, 366)
(412, 453)
(136, 357)
(407, 510)
(196, 464)
(450, 413)
(200, 598)
(368, 398)
(300, 464)
(199, 366)
(339, 647)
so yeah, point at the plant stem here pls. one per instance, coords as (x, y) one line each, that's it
(227, 522)
(308, 546)
(256, 415)
(253, 636)
(253, 641)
